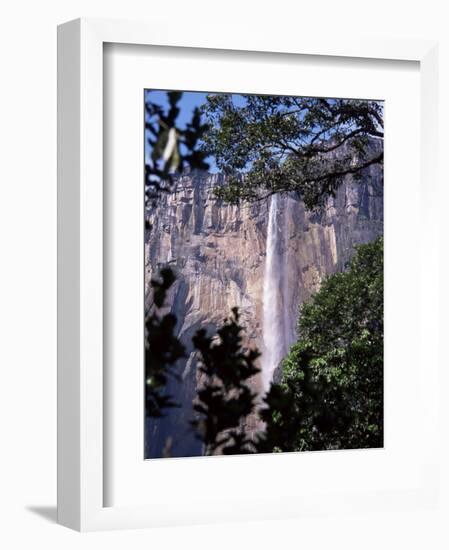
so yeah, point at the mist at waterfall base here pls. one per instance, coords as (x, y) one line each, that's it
(278, 333)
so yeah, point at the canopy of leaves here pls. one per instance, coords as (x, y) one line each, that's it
(331, 394)
(276, 144)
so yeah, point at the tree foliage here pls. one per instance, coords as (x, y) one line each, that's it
(272, 144)
(162, 349)
(331, 393)
(173, 147)
(279, 415)
(224, 399)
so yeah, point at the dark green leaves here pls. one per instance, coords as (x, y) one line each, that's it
(162, 350)
(161, 286)
(224, 399)
(172, 148)
(331, 391)
(279, 144)
(332, 379)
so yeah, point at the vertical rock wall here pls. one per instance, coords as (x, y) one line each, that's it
(218, 252)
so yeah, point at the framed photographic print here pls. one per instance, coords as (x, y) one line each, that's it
(236, 336)
(264, 242)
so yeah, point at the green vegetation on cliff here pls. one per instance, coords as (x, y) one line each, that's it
(331, 391)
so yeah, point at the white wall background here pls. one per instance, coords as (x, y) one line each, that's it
(28, 267)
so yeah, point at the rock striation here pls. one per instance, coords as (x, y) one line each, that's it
(218, 252)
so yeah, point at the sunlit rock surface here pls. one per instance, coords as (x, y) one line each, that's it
(218, 252)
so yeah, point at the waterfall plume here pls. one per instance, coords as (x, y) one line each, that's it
(276, 318)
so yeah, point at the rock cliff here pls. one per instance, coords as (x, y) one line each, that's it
(218, 252)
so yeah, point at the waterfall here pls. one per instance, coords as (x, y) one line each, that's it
(276, 318)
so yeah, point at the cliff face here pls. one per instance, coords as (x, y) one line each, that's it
(218, 252)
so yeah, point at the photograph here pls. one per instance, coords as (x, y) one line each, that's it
(263, 273)
(224, 263)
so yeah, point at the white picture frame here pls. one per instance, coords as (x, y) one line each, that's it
(81, 488)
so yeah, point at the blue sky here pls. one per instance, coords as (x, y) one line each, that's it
(187, 104)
